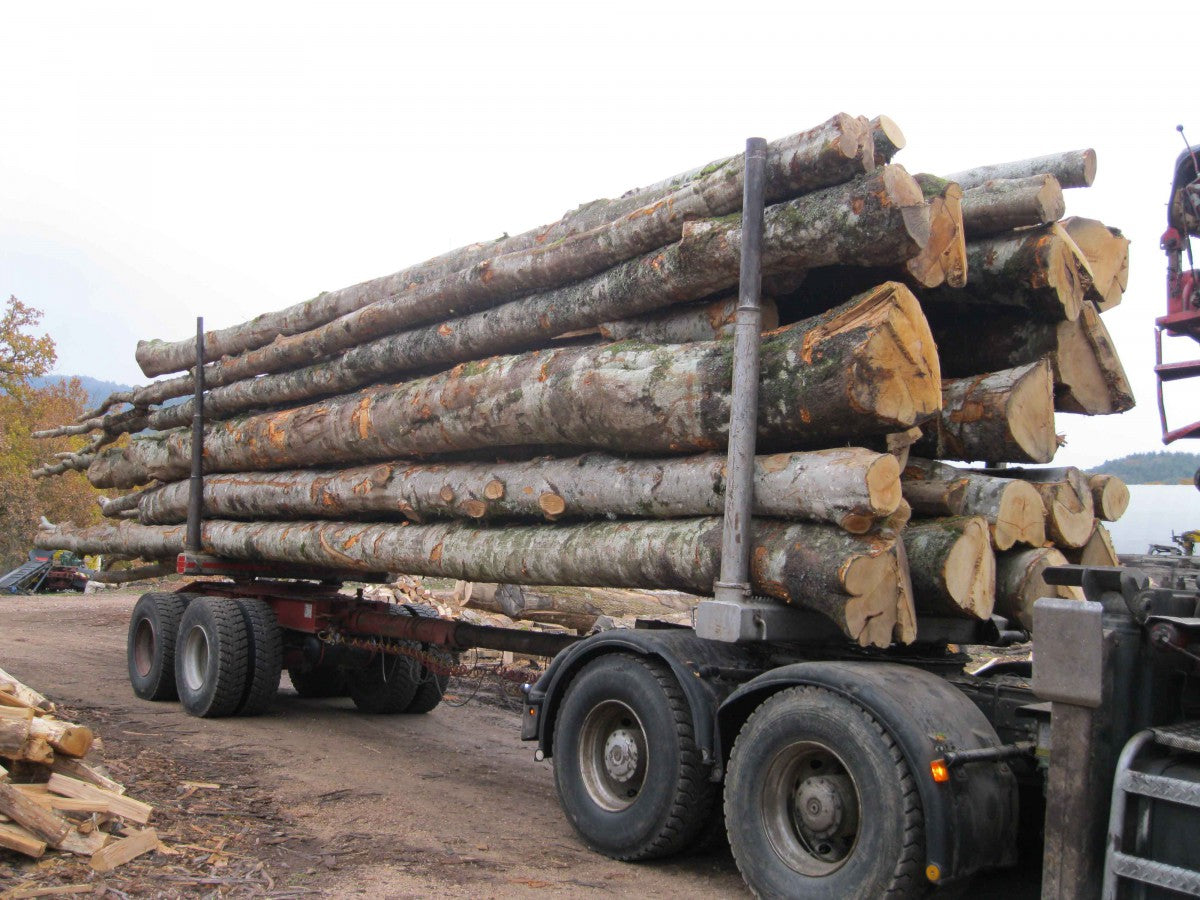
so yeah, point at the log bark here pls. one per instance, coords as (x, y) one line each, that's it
(1038, 270)
(886, 138)
(24, 694)
(1003, 204)
(1020, 583)
(582, 606)
(952, 565)
(1072, 169)
(582, 244)
(857, 582)
(65, 737)
(140, 573)
(1098, 551)
(685, 324)
(849, 487)
(943, 261)
(869, 366)
(124, 538)
(45, 824)
(1067, 499)
(1012, 509)
(1107, 252)
(878, 219)
(1006, 416)
(14, 732)
(1110, 496)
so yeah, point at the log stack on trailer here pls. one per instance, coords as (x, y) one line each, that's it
(552, 408)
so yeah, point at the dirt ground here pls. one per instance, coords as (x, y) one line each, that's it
(313, 798)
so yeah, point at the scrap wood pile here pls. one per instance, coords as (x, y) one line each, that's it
(50, 798)
(551, 408)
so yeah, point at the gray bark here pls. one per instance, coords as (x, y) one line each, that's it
(953, 567)
(1020, 583)
(1072, 169)
(1004, 204)
(685, 324)
(866, 367)
(1110, 496)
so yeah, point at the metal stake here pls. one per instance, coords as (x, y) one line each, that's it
(196, 485)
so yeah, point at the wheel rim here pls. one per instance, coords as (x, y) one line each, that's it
(613, 755)
(811, 808)
(195, 658)
(144, 640)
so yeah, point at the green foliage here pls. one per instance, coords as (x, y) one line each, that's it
(1157, 467)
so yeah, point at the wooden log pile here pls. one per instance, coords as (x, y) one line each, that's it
(552, 408)
(51, 798)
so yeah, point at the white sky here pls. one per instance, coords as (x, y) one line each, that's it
(162, 162)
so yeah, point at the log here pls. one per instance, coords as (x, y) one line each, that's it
(120, 852)
(14, 837)
(25, 694)
(139, 573)
(1037, 270)
(1012, 509)
(1019, 583)
(1098, 551)
(1005, 416)
(81, 771)
(943, 261)
(849, 487)
(14, 732)
(580, 606)
(868, 366)
(854, 581)
(1067, 499)
(827, 154)
(112, 507)
(1107, 253)
(44, 824)
(875, 220)
(952, 565)
(1110, 496)
(1003, 204)
(1090, 379)
(124, 537)
(65, 737)
(886, 138)
(684, 324)
(117, 804)
(1072, 169)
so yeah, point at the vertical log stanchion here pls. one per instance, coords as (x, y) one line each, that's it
(196, 485)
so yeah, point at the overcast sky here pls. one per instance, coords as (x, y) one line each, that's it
(162, 162)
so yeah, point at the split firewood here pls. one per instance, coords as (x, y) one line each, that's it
(1005, 416)
(85, 772)
(1067, 499)
(684, 324)
(1107, 252)
(81, 844)
(827, 154)
(849, 487)
(120, 852)
(14, 732)
(117, 804)
(1110, 496)
(943, 260)
(26, 696)
(867, 366)
(14, 837)
(1012, 509)
(1098, 551)
(952, 565)
(1004, 204)
(65, 737)
(1019, 583)
(45, 824)
(1072, 169)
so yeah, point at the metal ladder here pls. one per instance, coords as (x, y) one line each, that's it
(1120, 864)
(17, 581)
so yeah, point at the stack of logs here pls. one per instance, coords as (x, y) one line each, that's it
(551, 408)
(51, 798)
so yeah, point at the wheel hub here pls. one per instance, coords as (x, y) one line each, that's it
(621, 754)
(820, 805)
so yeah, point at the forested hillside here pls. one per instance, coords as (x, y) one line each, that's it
(1157, 467)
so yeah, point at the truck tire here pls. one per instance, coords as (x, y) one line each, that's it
(150, 646)
(820, 803)
(212, 657)
(319, 682)
(432, 685)
(386, 685)
(265, 663)
(626, 766)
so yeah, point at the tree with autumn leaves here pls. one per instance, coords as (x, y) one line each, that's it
(24, 355)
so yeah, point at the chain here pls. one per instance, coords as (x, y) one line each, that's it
(438, 662)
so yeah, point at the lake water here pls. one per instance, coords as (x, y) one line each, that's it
(1154, 511)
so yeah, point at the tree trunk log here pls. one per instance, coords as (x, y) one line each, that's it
(1019, 583)
(1098, 551)
(1072, 169)
(886, 138)
(952, 565)
(140, 573)
(1090, 379)
(1002, 417)
(878, 219)
(686, 324)
(123, 538)
(1107, 252)
(1067, 498)
(1110, 496)
(856, 582)
(849, 487)
(869, 366)
(995, 207)
(944, 258)
(828, 154)
(1012, 509)
(1039, 270)
(519, 602)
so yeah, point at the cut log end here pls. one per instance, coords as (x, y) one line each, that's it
(552, 504)
(883, 484)
(1020, 519)
(970, 570)
(1030, 407)
(494, 490)
(1110, 496)
(871, 613)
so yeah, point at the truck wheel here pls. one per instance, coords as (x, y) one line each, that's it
(319, 682)
(265, 663)
(432, 685)
(386, 685)
(626, 764)
(212, 656)
(820, 803)
(150, 646)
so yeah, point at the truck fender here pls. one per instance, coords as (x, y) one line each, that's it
(970, 820)
(688, 657)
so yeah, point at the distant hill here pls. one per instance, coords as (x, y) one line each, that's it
(1157, 467)
(98, 390)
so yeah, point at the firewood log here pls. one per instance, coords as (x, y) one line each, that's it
(1072, 169)
(1107, 252)
(1003, 204)
(1019, 583)
(1098, 551)
(1013, 509)
(952, 565)
(1110, 496)
(1067, 499)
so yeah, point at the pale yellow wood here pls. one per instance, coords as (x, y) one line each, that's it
(122, 851)
(14, 837)
(125, 807)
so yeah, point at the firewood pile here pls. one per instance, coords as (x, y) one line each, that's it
(551, 408)
(50, 798)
